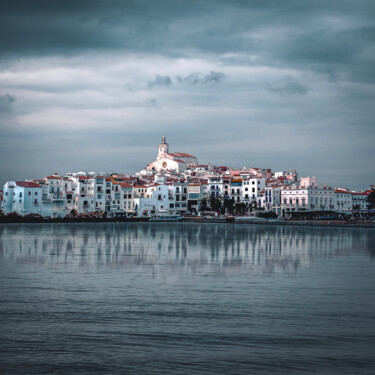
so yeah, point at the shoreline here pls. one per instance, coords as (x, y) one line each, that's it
(314, 223)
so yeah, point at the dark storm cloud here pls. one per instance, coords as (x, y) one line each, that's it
(159, 80)
(289, 85)
(6, 102)
(194, 78)
(335, 37)
(302, 32)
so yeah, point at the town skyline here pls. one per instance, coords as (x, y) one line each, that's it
(177, 182)
(99, 171)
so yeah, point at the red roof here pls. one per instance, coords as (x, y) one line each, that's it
(342, 191)
(27, 184)
(125, 185)
(54, 178)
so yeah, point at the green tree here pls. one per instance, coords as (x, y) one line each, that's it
(228, 205)
(241, 208)
(215, 203)
(204, 204)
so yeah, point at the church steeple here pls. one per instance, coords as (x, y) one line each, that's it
(163, 146)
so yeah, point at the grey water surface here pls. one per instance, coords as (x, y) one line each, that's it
(176, 298)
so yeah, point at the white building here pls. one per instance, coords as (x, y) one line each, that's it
(251, 187)
(297, 199)
(359, 200)
(23, 197)
(157, 198)
(343, 200)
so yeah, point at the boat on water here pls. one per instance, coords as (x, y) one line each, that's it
(166, 217)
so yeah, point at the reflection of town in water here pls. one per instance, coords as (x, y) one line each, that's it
(171, 247)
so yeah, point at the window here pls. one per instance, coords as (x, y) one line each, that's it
(20, 195)
(35, 201)
(36, 193)
(253, 190)
(29, 193)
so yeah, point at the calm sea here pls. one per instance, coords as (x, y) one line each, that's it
(154, 298)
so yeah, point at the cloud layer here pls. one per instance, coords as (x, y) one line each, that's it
(94, 84)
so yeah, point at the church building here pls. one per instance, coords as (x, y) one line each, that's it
(177, 161)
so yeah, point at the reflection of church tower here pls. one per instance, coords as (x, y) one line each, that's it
(163, 147)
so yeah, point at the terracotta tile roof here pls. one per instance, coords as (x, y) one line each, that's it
(125, 185)
(27, 184)
(184, 155)
(53, 178)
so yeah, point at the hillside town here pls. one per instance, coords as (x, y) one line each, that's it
(175, 182)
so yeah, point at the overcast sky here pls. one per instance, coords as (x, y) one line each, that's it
(93, 85)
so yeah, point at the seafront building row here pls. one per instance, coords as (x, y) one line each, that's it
(176, 182)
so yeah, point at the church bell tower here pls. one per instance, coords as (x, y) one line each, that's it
(163, 147)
